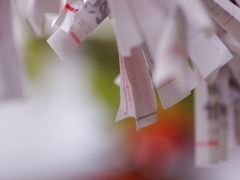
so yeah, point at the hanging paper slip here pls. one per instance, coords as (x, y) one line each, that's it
(234, 66)
(127, 106)
(139, 82)
(150, 17)
(224, 52)
(126, 29)
(204, 54)
(206, 125)
(211, 120)
(171, 61)
(223, 110)
(11, 75)
(234, 103)
(231, 43)
(226, 14)
(86, 21)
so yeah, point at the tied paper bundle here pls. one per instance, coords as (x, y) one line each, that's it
(159, 41)
(155, 40)
(11, 71)
(160, 52)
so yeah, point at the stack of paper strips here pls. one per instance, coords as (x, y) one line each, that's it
(172, 46)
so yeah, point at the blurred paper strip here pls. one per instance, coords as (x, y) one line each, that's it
(11, 84)
(206, 126)
(36, 11)
(143, 91)
(127, 106)
(231, 43)
(222, 49)
(234, 66)
(173, 92)
(224, 52)
(126, 30)
(150, 17)
(223, 110)
(196, 15)
(87, 19)
(212, 108)
(226, 14)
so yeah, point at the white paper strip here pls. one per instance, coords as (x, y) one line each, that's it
(137, 90)
(196, 15)
(147, 13)
(204, 54)
(11, 75)
(206, 126)
(224, 52)
(234, 93)
(171, 61)
(226, 14)
(231, 43)
(212, 110)
(127, 106)
(86, 21)
(223, 83)
(222, 49)
(127, 32)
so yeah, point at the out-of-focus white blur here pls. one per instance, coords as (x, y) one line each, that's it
(55, 131)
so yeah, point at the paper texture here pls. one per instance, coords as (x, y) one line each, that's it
(212, 123)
